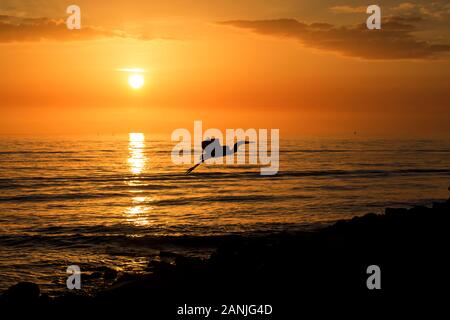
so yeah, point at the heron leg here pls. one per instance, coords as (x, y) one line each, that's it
(192, 168)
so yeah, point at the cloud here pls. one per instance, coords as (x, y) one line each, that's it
(348, 9)
(19, 29)
(405, 6)
(396, 40)
(431, 9)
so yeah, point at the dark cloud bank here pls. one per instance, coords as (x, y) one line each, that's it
(396, 39)
(16, 29)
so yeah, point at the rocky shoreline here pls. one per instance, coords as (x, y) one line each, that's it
(410, 246)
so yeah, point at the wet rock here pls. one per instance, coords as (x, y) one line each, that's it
(190, 264)
(93, 275)
(104, 272)
(157, 264)
(110, 274)
(127, 277)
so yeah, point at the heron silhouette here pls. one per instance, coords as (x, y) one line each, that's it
(209, 148)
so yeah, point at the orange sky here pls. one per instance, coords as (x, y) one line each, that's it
(246, 64)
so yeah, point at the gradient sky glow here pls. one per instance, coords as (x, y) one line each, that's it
(306, 67)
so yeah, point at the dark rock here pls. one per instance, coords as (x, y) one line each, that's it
(73, 299)
(390, 211)
(93, 275)
(110, 274)
(23, 293)
(161, 265)
(441, 206)
(44, 299)
(127, 277)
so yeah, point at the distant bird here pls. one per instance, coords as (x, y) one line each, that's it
(209, 147)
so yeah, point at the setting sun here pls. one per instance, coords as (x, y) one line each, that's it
(136, 81)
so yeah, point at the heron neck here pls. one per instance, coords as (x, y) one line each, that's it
(237, 144)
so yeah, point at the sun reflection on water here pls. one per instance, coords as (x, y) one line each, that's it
(136, 213)
(136, 146)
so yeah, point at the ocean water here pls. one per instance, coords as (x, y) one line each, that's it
(117, 200)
